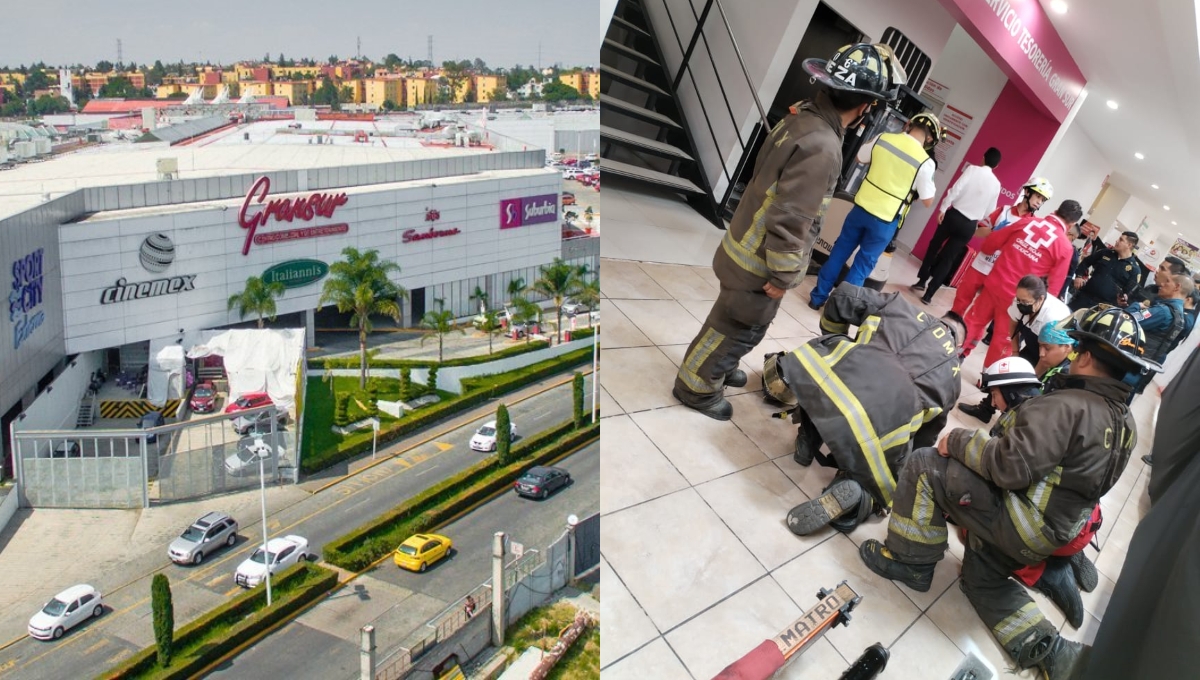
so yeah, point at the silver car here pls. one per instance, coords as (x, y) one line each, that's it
(209, 533)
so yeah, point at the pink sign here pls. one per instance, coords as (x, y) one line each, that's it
(1019, 37)
(286, 210)
(510, 213)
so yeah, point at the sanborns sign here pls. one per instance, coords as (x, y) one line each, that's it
(1018, 36)
(296, 273)
(411, 235)
(286, 210)
(518, 212)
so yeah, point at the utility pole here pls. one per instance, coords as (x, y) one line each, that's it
(430, 51)
(539, 57)
(120, 58)
(359, 53)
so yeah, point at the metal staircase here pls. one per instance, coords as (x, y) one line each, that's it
(644, 135)
(88, 407)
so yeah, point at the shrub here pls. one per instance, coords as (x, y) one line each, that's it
(405, 384)
(341, 414)
(577, 390)
(373, 398)
(164, 618)
(352, 361)
(503, 435)
(431, 383)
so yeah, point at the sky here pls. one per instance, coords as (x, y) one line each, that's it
(501, 32)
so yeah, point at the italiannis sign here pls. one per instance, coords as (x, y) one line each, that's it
(296, 273)
(257, 211)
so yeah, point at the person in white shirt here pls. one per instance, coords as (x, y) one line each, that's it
(899, 164)
(968, 202)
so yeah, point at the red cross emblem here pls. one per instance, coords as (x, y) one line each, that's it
(1040, 233)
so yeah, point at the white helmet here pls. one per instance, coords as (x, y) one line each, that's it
(1010, 371)
(1040, 185)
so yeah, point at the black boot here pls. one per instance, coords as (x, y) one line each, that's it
(1066, 659)
(736, 378)
(880, 560)
(1148, 459)
(983, 411)
(842, 497)
(808, 442)
(1085, 571)
(718, 409)
(1058, 582)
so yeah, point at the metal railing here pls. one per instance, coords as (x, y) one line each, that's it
(698, 36)
(439, 628)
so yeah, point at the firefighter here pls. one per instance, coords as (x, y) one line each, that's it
(834, 383)
(1022, 495)
(766, 248)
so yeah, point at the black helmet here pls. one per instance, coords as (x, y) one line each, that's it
(1118, 333)
(861, 67)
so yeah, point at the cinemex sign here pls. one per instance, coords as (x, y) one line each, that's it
(257, 211)
(519, 212)
(156, 255)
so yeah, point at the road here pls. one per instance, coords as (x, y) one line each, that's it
(126, 626)
(323, 642)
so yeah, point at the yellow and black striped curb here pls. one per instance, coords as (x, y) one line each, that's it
(135, 408)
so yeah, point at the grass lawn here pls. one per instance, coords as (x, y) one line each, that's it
(320, 407)
(541, 628)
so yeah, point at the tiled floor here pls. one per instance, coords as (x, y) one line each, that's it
(698, 565)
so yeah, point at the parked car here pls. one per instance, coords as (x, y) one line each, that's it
(540, 481)
(205, 536)
(67, 449)
(573, 307)
(419, 551)
(568, 198)
(485, 437)
(249, 400)
(151, 419)
(260, 422)
(245, 460)
(204, 398)
(68, 609)
(280, 554)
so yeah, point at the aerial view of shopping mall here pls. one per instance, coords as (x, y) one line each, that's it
(297, 377)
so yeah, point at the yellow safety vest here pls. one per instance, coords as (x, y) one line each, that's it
(895, 159)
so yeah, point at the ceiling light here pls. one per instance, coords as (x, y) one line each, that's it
(1139, 156)
(1112, 105)
(1058, 6)
(1174, 223)
(1166, 207)
(1153, 186)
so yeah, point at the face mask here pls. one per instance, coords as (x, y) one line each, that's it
(1025, 309)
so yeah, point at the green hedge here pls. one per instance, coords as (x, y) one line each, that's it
(353, 361)
(359, 548)
(581, 333)
(476, 390)
(219, 631)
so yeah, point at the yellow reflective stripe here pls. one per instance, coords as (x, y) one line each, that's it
(923, 504)
(1039, 495)
(973, 455)
(905, 432)
(784, 262)
(912, 531)
(1017, 623)
(855, 415)
(689, 373)
(753, 239)
(1027, 520)
(746, 259)
(834, 328)
(865, 332)
(901, 153)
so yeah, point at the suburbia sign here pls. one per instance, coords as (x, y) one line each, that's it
(296, 273)
(286, 210)
(125, 291)
(411, 235)
(518, 212)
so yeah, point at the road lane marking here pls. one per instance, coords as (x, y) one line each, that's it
(216, 580)
(96, 646)
(443, 446)
(428, 469)
(233, 591)
(404, 463)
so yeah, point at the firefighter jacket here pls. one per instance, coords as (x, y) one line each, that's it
(874, 397)
(779, 218)
(1032, 245)
(1054, 457)
(895, 159)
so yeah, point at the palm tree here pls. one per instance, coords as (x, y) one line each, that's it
(359, 284)
(589, 295)
(558, 281)
(482, 296)
(258, 297)
(527, 312)
(490, 325)
(440, 322)
(515, 288)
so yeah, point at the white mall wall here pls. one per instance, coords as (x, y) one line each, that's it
(58, 405)
(1159, 235)
(1076, 168)
(974, 83)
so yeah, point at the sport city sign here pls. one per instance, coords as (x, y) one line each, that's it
(156, 254)
(287, 210)
(296, 273)
(518, 212)
(26, 296)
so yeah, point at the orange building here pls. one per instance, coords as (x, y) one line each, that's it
(487, 86)
(378, 90)
(418, 91)
(296, 91)
(586, 82)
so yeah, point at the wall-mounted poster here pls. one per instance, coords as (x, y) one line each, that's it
(1186, 252)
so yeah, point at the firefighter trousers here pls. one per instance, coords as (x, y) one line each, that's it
(736, 324)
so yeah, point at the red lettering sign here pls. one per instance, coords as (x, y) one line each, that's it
(286, 210)
(411, 235)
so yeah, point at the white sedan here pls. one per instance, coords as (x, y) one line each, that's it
(281, 553)
(68, 609)
(485, 437)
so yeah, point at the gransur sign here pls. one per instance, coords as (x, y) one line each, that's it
(296, 273)
(257, 211)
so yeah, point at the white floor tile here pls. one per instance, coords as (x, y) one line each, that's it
(701, 448)
(923, 652)
(624, 626)
(632, 469)
(655, 660)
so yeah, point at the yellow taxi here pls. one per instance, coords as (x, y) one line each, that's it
(419, 551)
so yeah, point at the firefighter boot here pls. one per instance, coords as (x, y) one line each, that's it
(1085, 571)
(736, 378)
(880, 560)
(808, 442)
(1065, 660)
(841, 497)
(717, 409)
(1058, 582)
(983, 411)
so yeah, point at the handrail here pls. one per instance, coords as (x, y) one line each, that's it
(741, 62)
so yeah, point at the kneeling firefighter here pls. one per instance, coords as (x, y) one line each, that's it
(870, 398)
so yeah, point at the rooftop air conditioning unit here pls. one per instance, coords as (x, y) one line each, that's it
(168, 168)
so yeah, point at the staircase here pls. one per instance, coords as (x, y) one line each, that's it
(87, 412)
(644, 136)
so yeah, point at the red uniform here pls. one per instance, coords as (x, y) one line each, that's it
(1032, 245)
(972, 281)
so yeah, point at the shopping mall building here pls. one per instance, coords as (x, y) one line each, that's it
(104, 254)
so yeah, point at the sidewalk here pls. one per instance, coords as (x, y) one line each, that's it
(406, 343)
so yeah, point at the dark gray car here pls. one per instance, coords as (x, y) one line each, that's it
(209, 533)
(151, 419)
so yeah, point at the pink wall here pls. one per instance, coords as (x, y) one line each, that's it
(1022, 132)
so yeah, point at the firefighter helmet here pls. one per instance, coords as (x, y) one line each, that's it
(774, 384)
(1117, 333)
(861, 67)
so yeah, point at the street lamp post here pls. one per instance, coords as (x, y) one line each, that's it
(262, 485)
(595, 375)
